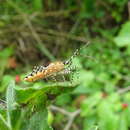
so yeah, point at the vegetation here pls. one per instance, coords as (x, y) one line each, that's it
(37, 32)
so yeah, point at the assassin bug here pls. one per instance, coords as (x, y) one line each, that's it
(53, 69)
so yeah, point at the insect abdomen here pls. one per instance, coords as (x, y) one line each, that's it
(45, 71)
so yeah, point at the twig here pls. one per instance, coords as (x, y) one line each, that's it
(69, 36)
(39, 42)
(61, 110)
(57, 13)
(71, 119)
(123, 90)
(21, 44)
(71, 115)
(50, 32)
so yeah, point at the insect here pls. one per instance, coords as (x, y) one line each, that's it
(53, 69)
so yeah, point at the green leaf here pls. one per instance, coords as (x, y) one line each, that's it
(16, 119)
(63, 99)
(114, 98)
(108, 120)
(6, 52)
(4, 55)
(123, 38)
(5, 81)
(88, 106)
(23, 95)
(123, 122)
(89, 123)
(85, 78)
(39, 121)
(127, 112)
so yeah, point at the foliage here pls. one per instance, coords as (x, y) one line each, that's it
(123, 38)
(97, 97)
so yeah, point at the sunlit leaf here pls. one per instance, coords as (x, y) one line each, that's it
(108, 120)
(123, 38)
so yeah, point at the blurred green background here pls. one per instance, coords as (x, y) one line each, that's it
(37, 32)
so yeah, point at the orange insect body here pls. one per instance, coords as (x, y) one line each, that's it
(44, 72)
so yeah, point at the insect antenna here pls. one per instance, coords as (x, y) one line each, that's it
(77, 52)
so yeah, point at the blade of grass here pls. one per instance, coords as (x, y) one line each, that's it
(10, 101)
(4, 123)
(39, 44)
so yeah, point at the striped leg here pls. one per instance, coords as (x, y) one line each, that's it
(69, 70)
(63, 77)
(53, 78)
